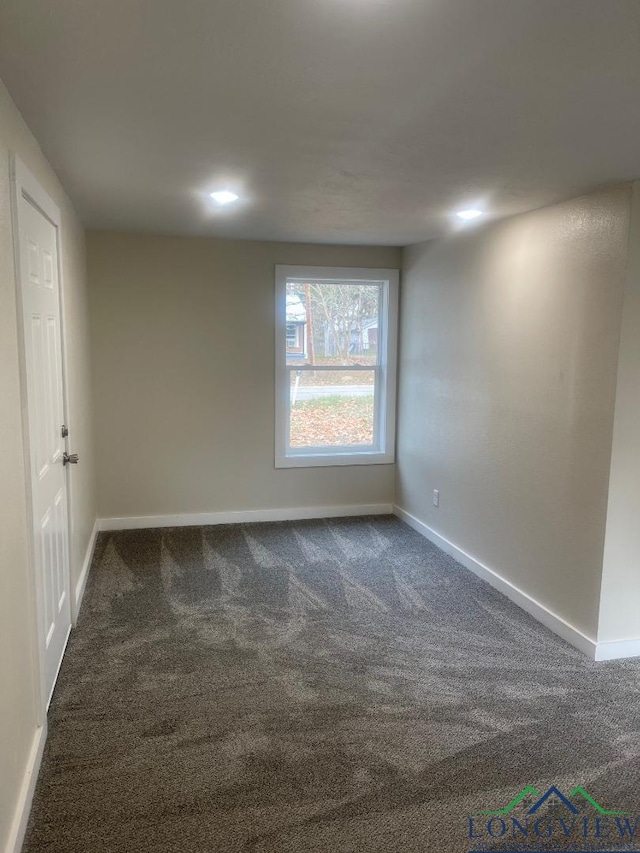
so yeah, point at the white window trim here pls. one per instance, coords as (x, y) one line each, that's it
(385, 403)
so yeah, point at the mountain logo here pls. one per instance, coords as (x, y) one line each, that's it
(554, 794)
(577, 819)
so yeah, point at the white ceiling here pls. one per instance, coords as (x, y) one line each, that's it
(364, 121)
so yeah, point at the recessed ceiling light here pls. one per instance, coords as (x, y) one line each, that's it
(471, 213)
(224, 196)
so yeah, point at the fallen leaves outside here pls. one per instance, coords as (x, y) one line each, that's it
(332, 421)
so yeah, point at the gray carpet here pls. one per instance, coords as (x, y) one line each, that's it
(334, 685)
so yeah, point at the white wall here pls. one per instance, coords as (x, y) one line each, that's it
(17, 643)
(620, 605)
(509, 347)
(183, 356)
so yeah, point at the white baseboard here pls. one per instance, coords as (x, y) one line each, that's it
(84, 574)
(204, 518)
(615, 649)
(549, 619)
(25, 798)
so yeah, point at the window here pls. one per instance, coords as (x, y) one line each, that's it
(336, 332)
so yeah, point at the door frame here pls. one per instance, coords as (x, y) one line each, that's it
(25, 186)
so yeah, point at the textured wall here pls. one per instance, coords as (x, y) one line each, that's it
(17, 642)
(509, 345)
(183, 355)
(620, 605)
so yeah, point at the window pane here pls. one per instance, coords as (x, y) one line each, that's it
(333, 323)
(331, 407)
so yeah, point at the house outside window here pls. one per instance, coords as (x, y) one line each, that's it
(336, 337)
(296, 317)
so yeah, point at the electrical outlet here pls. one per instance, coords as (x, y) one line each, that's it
(436, 497)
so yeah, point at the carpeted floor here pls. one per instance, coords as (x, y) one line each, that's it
(336, 685)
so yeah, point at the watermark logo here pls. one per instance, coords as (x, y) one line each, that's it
(542, 821)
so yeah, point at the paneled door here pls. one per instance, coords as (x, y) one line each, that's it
(38, 224)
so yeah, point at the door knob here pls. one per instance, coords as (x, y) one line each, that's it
(70, 458)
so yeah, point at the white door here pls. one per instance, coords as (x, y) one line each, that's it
(38, 247)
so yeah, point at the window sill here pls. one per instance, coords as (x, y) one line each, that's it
(316, 460)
